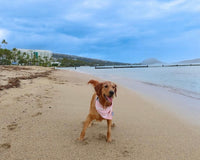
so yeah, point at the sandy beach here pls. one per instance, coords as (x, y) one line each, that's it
(41, 115)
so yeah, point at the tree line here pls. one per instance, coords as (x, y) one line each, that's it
(68, 62)
(14, 56)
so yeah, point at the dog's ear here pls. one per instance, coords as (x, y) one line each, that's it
(93, 82)
(98, 89)
(115, 90)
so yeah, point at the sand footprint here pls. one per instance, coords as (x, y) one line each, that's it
(84, 142)
(12, 126)
(101, 136)
(125, 153)
(37, 114)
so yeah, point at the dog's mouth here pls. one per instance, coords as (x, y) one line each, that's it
(108, 98)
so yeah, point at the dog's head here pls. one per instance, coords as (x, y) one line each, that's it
(105, 90)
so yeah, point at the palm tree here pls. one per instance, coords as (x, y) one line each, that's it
(28, 59)
(18, 56)
(40, 61)
(14, 50)
(45, 61)
(4, 42)
(34, 60)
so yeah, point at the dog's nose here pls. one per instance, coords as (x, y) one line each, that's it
(111, 93)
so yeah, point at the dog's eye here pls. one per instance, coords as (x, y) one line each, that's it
(106, 86)
(113, 87)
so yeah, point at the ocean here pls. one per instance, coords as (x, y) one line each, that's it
(182, 80)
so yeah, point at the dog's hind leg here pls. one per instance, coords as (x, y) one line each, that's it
(85, 126)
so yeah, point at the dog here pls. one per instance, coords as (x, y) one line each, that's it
(101, 106)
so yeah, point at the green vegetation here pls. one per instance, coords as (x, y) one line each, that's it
(67, 62)
(73, 61)
(8, 57)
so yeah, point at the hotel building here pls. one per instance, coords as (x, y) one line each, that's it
(37, 53)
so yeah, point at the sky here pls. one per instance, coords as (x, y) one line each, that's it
(115, 30)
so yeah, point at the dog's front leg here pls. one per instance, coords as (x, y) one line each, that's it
(86, 124)
(109, 124)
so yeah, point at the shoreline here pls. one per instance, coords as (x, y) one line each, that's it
(42, 119)
(172, 100)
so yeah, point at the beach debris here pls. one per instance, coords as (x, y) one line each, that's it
(12, 83)
(5, 145)
(16, 68)
(15, 82)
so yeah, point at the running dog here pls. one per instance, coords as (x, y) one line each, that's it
(101, 105)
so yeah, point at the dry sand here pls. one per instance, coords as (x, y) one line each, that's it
(42, 118)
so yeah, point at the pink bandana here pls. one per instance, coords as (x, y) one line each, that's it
(105, 113)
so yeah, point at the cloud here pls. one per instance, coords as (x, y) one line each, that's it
(172, 4)
(101, 27)
(78, 16)
(3, 34)
(153, 9)
(95, 4)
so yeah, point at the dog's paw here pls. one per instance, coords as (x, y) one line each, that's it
(80, 139)
(109, 140)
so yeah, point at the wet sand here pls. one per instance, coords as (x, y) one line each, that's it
(42, 119)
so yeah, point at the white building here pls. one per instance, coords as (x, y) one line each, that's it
(37, 53)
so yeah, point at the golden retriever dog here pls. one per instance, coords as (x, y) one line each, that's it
(101, 105)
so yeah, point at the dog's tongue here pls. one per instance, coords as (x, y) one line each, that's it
(109, 99)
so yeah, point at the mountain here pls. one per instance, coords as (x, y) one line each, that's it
(87, 61)
(151, 61)
(197, 60)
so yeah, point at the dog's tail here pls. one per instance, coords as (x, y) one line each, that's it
(93, 82)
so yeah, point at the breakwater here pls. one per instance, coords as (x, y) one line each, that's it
(144, 66)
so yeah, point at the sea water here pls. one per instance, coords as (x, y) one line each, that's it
(183, 80)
